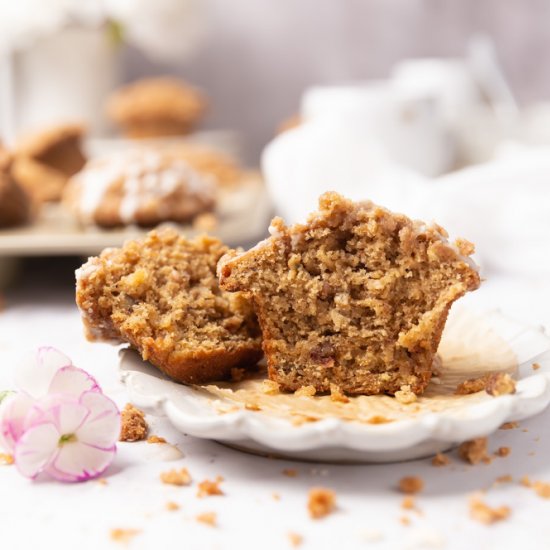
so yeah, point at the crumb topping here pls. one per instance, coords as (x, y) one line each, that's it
(208, 488)
(411, 485)
(179, 477)
(321, 502)
(474, 451)
(133, 426)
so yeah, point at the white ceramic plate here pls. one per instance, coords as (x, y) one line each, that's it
(316, 428)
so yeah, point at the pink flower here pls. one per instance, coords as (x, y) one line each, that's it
(59, 422)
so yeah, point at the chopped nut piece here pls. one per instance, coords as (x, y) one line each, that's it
(474, 451)
(295, 539)
(405, 396)
(500, 384)
(290, 472)
(509, 426)
(270, 387)
(133, 426)
(440, 460)
(321, 502)
(208, 518)
(156, 439)
(124, 535)
(176, 477)
(535, 366)
(337, 395)
(483, 513)
(6, 459)
(305, 391)
(209, 488)
(411, 485)
(503, 451)
(172, 506)
(472, 385)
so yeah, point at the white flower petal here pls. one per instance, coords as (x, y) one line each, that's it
(65, 412)
(72, 381)
(36, 448)
(35, 373)
(78, 461)
(13, 412)
(102, 426)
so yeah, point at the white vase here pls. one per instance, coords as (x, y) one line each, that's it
(59, 78)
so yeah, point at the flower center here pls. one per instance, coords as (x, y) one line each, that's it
(66, 438)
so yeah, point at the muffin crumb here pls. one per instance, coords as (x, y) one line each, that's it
(133, 426)
(172, 506)
(509, 426)
(474, 451)
(124, 536)
(6, 459)
(483, 513)
(503, 451)
(179, 477)
(295, 539)
(441, 459)
(290, 472)
(472, 385)
(321, 502)
(405, 396)
(208, 518)
(535, 366)
(337, 395)
(411, 485)
(156, 439)
(500, 384)
(209, 488)
(305, 391)
(269, 387)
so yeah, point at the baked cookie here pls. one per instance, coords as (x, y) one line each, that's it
(139, 186)
(156, 107)
(161, 295)
(356, 298)
(15, 204)
(45, 160)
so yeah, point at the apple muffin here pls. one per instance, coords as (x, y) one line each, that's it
(161, 295)
(355, 299)
(156, 107)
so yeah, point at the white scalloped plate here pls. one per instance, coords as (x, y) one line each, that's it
(318, 429)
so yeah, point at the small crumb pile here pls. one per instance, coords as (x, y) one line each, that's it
(133, 426)
(321, 502)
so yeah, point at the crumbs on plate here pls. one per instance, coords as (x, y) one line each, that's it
(179, 477)
(133, 426)
(482, 512)
(209, 488)
(474, 451)
(321, 502)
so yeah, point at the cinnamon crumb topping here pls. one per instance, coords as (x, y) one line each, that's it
(176, 477)
(337, 395)
(483, 513)
(405, 396)
(208, 518)
(411, 485)
(474, 451)
(500, 384)
(209, 488)
(124, 535)
(321, 502)
(133, 426)
(269, 387)
(305, 391)
(440, 460)
(156, 439)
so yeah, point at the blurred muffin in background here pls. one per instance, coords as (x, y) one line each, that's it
(141, 187)
(15, 204)
(156, 107)
(45, 160)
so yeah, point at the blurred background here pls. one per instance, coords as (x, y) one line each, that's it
(437, 108)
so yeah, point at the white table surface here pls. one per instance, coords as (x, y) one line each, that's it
(47, 514)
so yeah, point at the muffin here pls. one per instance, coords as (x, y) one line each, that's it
(15, 204)
(143, 187)
(355, 299)
(161, 295)
(45, 160)
(156, 107)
